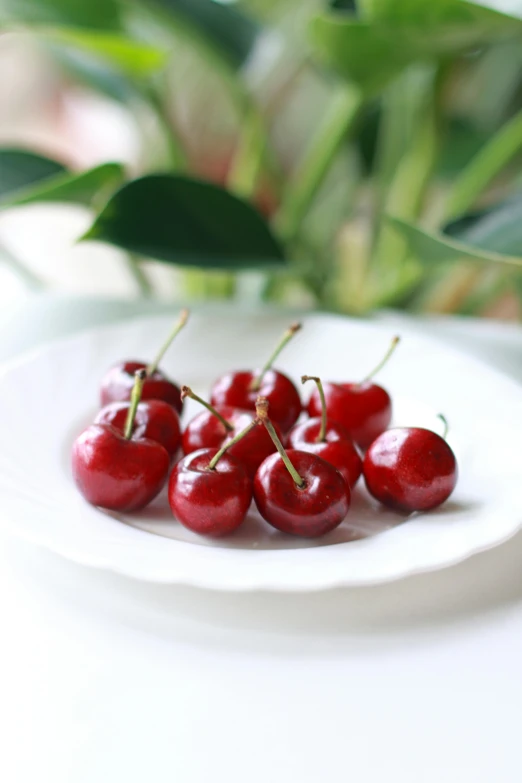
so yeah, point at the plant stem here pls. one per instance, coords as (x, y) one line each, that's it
(30, 279)
(177, 156)
(488, 162)
(262, 415)
(141, 279)
(445, 423)
(310, 174)
(139, 380)
(178, 326)
(215, 459)
(393, 345)
(186, 391)
(248, 158)
(287, 336)
(322, 430)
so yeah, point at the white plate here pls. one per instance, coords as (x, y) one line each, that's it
(47, 398)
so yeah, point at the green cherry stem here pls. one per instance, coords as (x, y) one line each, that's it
(215, 459)
(322, 430)
(262, 416)
(393, 345)
(139, 380)
(287, 336)
(178, 326)
(445, 423)
(186, 391)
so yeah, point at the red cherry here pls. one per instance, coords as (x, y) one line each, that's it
(298, 492)
(117, 384)
(242, 388)
(210, 491)
(327, 439)
(155, 420)
(214, 427)
(410, 469)
(116, 472)
(364, 409)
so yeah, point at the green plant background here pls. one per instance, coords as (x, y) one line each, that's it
(352, 155)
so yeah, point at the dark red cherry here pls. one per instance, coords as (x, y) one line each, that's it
(327, 439)
(410, 469)
(242, 388)
(115, 473)
(364, 409)
(117, 384)
(155, 420)
(214, 427)
(298, 492)
(337, 448)
(210, 491)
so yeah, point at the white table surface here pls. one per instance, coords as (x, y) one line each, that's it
(105, 680)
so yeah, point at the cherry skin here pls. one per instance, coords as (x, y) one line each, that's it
(117, 385)
(116, 473)
(410, 469)
(337, 448)
(211, 502)
(155, 420)
(206, 431)
(313, 510)
(236, 389)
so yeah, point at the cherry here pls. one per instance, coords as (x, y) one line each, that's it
(155, 420)
(115, 471)
(410, 469)
(241, 389)
(214, 427)
(210, 491)
(327, 439)
(298, 492)
(117, 384)
(364, 408)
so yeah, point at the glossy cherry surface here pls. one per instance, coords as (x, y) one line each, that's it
(209, 502)
(115, 473)
(155, 420)
(337, 448)
(313, 510)
(410, 469)
(206, 431)
(236, 389)
(363, 409)
(118, 382)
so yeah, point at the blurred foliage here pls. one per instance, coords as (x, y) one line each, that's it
(374, 145)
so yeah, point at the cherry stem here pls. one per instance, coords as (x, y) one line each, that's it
(178, 326)
(256, 383)
(262, 416)
(215, 459)
(186, 391)
(139, 380)
(393, 345)
(322, 431)
(446, 425)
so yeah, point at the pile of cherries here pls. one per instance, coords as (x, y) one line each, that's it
(234, 450)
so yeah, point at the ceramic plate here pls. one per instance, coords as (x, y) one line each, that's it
(48, 397)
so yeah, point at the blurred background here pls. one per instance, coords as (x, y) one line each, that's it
(377, 145)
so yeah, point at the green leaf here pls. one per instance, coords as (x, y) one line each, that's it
(129, 56)
(21, 169)
(188, 222)
(372, 53)
(98, 14)
(495, 237)
(224, 27)
(440, 12)
(26, 178)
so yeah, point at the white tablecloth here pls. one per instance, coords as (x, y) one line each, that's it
(105, 680)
